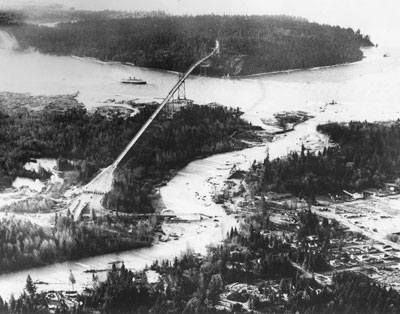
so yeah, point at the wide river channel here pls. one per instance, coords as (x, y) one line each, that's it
(366, 90)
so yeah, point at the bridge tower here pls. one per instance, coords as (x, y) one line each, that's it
(178, 98)
(181, 89)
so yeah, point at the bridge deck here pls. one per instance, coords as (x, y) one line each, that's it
(102, 183)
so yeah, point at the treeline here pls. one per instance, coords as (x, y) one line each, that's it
(8, 17)
(194, 283)
(70, 133)
(93, 141)
(30, 301)
(26, 245)
(55, 13)
(128, 292)
(169, 144)
(351, 293)
(249, 44)
(366, 155)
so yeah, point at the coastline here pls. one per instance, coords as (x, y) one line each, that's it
(196, 235)
(304, 69)
(204, 179)
(238, 77)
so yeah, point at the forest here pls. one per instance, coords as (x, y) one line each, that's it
(8, 17)
(57, 13)
(194, 283)
(352, 293)
(249, 44)
(194, 132)
(26, 245)
(93, 141)
(69, 133)
(366, 155)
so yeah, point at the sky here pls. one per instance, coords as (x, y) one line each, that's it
(379, 18)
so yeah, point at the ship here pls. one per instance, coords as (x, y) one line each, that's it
(133, 80)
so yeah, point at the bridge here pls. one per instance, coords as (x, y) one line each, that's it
(161, 106)
(102, 182)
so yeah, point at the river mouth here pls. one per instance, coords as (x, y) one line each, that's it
(366, 90)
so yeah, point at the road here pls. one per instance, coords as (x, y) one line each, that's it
(344, 221)
(324, 277)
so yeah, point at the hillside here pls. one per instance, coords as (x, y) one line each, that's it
(249, 44)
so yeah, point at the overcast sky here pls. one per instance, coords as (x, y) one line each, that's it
(379, 18)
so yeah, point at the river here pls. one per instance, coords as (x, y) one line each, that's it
(364, 90)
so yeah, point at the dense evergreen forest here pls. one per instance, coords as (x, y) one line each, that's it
(366, 155)
(249, 44)
(193, 283)
(69, 133)
(26, 245)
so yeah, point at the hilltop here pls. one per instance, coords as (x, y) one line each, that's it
(249, 44)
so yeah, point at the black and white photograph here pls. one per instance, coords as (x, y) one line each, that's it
(199, 156)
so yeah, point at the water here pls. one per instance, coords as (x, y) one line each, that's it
(364, 90)
(360, 85)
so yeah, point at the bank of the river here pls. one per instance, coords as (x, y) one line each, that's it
(258, 97)
(39, 105)
(190, 191)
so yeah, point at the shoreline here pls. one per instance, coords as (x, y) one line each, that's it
(238, 77)
(200, 201)
(114, 251)
(237, 145)
(289, 71)
(287, 134)
(188, 231)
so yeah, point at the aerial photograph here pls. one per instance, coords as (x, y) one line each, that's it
(212, 156)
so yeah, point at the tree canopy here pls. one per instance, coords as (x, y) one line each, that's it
(249, 44)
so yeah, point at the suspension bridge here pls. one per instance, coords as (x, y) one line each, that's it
(94, 191)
